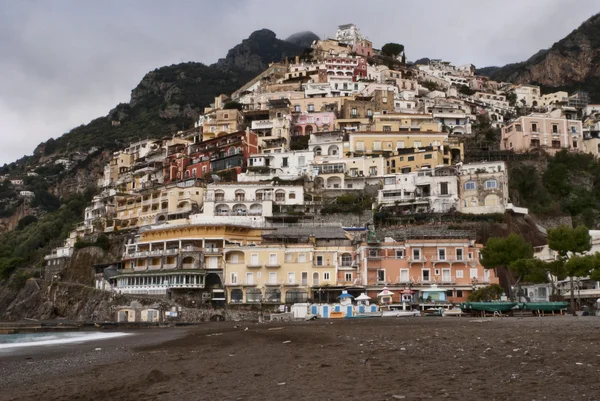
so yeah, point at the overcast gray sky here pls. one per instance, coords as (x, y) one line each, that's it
(65, 62)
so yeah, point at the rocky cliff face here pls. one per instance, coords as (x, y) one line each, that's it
(9, 223)
(573, 62)
(254, 54)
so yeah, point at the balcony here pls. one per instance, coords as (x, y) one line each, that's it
(213, 251)
(375, 256)
(186, 285)
(249, 283)
(323, 265)
(262, 124)
(447, 259)
(273, 265)
(254, 265)
(420, 259)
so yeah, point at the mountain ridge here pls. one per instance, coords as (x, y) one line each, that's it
(572, 63)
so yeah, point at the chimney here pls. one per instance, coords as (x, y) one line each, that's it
(297, 59)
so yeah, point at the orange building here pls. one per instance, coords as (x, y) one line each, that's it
(425, 266)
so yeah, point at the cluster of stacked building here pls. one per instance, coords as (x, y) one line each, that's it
(230, 208)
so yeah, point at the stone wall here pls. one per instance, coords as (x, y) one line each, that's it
(555, 222)
(346, 219)
(43, 300)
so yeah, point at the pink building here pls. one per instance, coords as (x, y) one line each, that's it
(542, 131)
(307, 123)
(363, 48)
(346, 66)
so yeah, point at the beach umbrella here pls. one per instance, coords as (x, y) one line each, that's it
(363, 297)
(385, 292)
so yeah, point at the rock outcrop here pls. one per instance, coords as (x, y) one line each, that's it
(573, 62)
(254, 54)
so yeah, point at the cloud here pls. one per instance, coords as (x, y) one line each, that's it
(65, 63)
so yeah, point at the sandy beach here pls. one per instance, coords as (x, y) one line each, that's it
(555, 358)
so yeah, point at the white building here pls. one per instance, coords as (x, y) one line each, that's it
(286, 166)
(424, 191)
(26, 194)
(336, 172)
(348, 34)
(327, 144)
(528, 95)
(452, 117)
(250, 203)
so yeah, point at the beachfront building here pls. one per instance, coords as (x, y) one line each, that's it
(548, 131)
(292, 264)
(185, 258)
(450, 264)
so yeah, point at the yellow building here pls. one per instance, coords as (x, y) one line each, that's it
(411, 159)
(222, 122)
(394, 122)
(169, 203)
(180, 257)
(406, 151)
(291, 265)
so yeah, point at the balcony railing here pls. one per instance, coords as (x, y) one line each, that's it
(273, 264)
(447, 258)
(323, 264)
(254, 265)
(213, 251)
(238, 200)
(420, 259)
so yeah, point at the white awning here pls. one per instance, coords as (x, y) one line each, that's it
(587, 293)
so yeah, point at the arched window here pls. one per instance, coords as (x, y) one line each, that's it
(309, 129)
(317, 151)
(346, 259)
(187, 174)
(470, 185)
(315, 278)
(333, 150)
(222, 210)
(491, 184)
(253, 295)
(237, 295)
(219, 195)
(240, 195)
(280, 195)
(296, 296)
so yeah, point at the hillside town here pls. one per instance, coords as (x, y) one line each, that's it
(276, 195)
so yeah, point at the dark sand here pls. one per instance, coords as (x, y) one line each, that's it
(552, 358)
